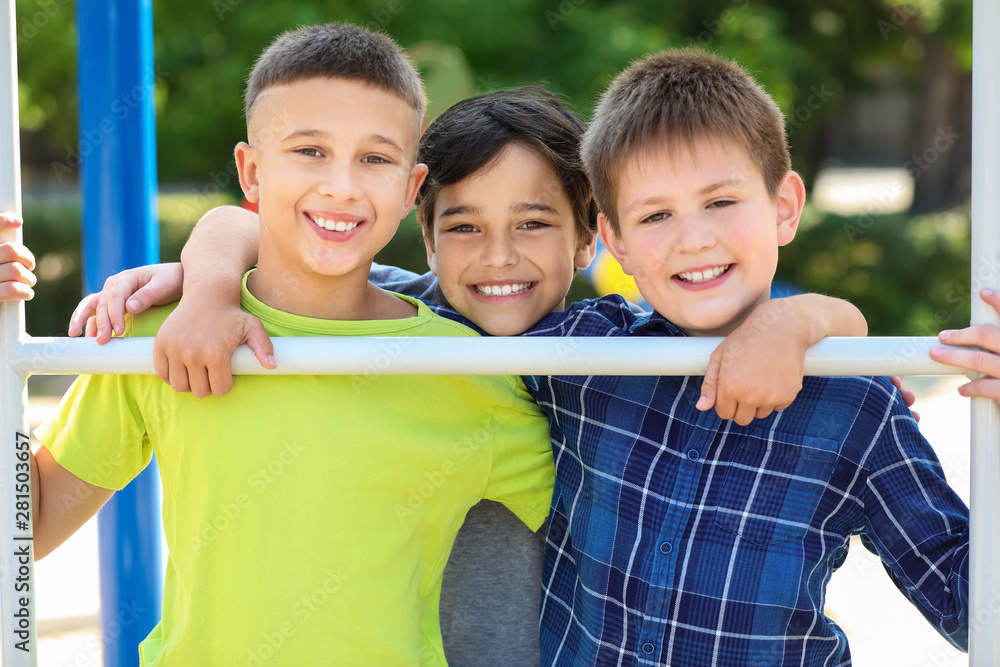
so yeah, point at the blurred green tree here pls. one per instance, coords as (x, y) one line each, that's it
(813, 57)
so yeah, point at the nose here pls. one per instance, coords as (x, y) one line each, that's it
(499, 251)
(340, 182)
(692, 234)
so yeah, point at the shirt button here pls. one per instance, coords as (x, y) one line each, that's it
(647, 648)
(666, 547)
(693, 454)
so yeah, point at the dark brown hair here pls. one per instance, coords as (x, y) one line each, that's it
(681, 95)
(338, 50)
(472, 134)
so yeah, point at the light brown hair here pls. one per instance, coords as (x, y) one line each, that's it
(339, 50)
(680, 95)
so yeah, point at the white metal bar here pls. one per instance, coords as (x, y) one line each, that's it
(984, 569)
(17, 588)
(482, 356)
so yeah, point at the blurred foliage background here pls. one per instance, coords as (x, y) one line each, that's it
(875, 83)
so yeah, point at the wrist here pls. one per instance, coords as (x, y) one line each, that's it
(217, 293)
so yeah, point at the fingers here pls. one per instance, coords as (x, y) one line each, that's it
(9, 220)
(160, 362)
(104, 328)
(199, 382)
(178, 378)
(710, 385)
(973, 360)
(144, 298)
(17, 253)
(981, 388)
(82, 315)
(91, 327)
(219, 381)
(745, 414)
(258, 341)
(991, 297)
(983, 335)
(16, 278)
(15, 291)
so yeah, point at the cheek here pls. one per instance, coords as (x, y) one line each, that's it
(448, 259)
(649, 261)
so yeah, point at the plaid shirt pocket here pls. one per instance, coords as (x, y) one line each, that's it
(772, 487)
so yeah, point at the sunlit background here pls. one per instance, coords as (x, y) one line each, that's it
(877, 96)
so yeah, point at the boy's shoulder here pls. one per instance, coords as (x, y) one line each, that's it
(279, 323)
(610, 315)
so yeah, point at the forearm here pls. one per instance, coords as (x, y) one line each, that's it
(821, 316)
(222, 247)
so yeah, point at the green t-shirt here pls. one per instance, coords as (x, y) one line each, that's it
(309, 518)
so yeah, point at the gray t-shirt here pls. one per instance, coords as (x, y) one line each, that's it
(492, 584)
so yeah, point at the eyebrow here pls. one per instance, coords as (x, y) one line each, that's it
(532, 207)
(657, 199)
(323, 134)
(522, 207)
(463, 209)
(734, 180)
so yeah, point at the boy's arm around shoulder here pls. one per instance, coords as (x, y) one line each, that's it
(913, 520)
(758, 368)
(193, 350)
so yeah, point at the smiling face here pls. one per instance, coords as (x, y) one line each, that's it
(504, 244)
(331, 166)
(700, 232)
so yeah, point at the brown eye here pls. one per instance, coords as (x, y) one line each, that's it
(534, 224)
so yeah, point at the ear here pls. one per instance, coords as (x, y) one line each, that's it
(585, 254)
(613, 242)
(247, 164)
(431, 254)
(791, 198)
(417, 175)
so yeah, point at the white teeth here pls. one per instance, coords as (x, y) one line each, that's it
(702, 276)
(503, 290)
(332, 226)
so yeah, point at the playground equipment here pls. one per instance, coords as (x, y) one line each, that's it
(115, 38)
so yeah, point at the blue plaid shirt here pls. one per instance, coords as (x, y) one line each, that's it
(676, 538)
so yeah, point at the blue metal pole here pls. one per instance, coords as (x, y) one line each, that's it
(118, 179)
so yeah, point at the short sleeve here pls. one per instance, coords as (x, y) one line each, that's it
(98, 433)
(522, 472)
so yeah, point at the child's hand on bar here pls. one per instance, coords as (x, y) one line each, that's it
(983, 355)
(16, 265)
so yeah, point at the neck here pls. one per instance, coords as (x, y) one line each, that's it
(726, 328)
(347, 297)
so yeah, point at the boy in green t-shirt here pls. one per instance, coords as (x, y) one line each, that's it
(269, 560)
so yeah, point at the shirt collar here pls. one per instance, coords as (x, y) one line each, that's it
(654, 324)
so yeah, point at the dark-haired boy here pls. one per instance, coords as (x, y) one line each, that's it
(308, 522)
(679, 538)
